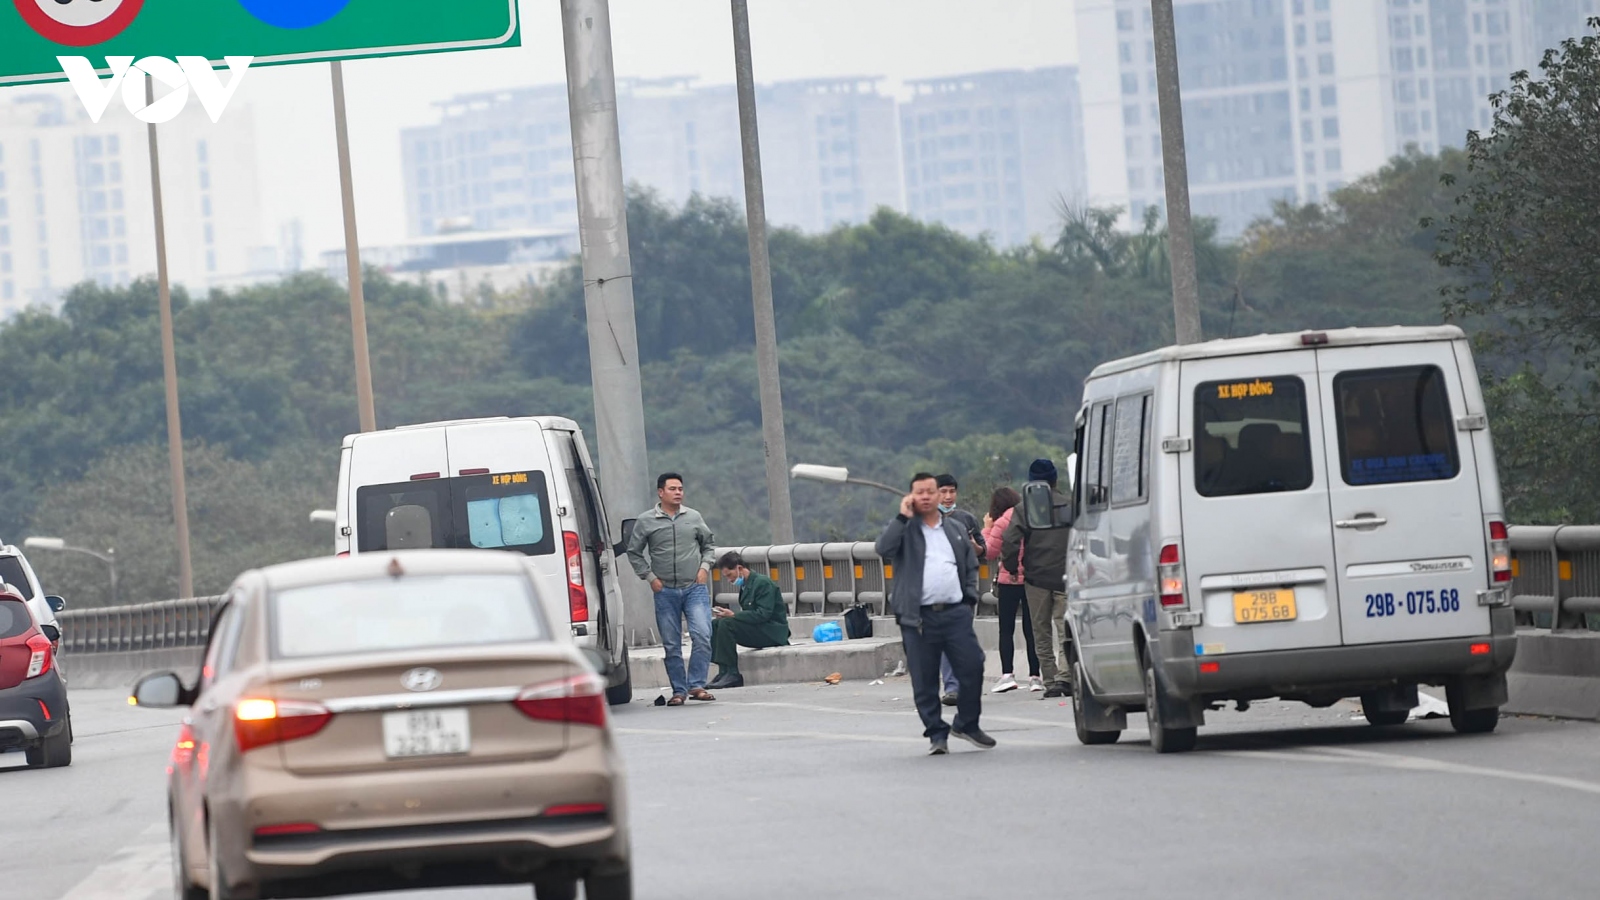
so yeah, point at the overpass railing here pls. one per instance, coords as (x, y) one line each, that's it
(1555, 584)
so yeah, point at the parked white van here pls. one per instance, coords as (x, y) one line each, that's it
(1307, 516)
(526, 485)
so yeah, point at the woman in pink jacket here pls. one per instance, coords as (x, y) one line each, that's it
(1011, 594)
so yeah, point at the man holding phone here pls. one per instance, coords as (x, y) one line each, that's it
(762, 620)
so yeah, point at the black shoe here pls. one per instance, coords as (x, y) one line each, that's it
(949, 698)
(938, 747)
(726, 680)
(1054, 689)
(976, 737)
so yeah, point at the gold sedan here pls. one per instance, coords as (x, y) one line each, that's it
(392, 721)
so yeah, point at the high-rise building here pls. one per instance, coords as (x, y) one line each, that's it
(1289, 99)
(995, 153)
(75, 200)
(504, 160)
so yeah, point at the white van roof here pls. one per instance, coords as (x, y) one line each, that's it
(1274, 343)
(558, 423)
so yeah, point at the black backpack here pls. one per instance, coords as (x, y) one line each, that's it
(857, 622)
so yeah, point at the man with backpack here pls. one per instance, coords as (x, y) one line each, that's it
(1044, 579)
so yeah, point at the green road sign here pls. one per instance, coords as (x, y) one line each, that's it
(34, 32)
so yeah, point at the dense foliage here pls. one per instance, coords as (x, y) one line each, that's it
(904, 346)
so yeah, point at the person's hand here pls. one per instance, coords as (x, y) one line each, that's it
(655, 585)
(700, 577)
(720, 612)
(905, 506)
(988, 521)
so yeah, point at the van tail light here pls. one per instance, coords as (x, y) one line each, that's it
(1170, 571)
(342, 554)
(579, 700)
(576, 595)
(1499, 552)
(42, 656)
(258, 722)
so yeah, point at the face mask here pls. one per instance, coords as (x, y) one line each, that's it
(945, 509)
(739, 582)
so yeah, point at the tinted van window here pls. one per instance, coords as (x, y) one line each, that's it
(1395, 426)
(505, 511)
(1251, 437)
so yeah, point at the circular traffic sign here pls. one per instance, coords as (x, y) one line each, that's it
(292, 13)
(78, 23)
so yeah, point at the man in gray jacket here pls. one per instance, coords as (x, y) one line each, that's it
(1045, 581)
(935, 590)
(672, 549)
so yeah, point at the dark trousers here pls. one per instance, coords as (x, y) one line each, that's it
(944, 632)
(728, 635)
(1014, 597)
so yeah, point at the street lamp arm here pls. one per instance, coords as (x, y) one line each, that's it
(107, 558)
(876, 484)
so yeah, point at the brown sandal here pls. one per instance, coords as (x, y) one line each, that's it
(701, 694)
(677, 700)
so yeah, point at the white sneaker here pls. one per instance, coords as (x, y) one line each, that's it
(1035, 683)
(1005, 683)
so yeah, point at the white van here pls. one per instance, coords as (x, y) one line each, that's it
(526, 485)
(1307, 516)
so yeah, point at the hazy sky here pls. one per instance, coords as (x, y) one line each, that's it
(897, 39)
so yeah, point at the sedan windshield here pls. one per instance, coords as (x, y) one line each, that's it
(407, 613)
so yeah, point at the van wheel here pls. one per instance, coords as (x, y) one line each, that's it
(1382, 717)
(1469, 721)
(1162, 738)
(1080, 696)
(52, 752)
(622, 694)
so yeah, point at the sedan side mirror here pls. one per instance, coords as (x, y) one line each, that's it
(56, 603)
(51, 632)
(1039, 509)
(161, 691)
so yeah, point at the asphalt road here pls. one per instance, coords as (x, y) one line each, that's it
(811, 791)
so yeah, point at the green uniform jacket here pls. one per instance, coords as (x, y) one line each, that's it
(761, 607)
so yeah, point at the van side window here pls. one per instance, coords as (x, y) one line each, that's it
(1251, 437)
(1077, 456)
(1096, 491)
(1395, 426)
(580, 507)
(1129, 480)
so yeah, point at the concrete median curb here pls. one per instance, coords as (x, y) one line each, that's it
(1556, 675)
(857, 660)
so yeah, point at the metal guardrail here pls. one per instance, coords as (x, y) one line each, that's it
(1555, 576)
(824, 579)
(168, 624)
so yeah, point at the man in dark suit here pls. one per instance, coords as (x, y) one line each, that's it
(934, 594)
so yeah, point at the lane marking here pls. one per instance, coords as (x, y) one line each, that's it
(140, 869)
(1348, 756)
(818, 736)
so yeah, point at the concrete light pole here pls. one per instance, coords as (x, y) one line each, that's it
(1175, 166)
(59, 544)
(775, 447)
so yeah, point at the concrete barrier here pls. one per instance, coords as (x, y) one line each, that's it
(863, 659)
(121, 669)
(1556, 674)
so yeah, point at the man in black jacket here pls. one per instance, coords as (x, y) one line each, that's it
(934, 593)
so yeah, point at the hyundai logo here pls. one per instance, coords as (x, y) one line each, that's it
(421, 678)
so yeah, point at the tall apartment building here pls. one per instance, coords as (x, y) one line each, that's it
(1288, 99)
(75, 200)
(995, 152)
(503, 160)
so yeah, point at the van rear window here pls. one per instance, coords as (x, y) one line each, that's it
(1395, 426)
(1251, 437)
(509, 511)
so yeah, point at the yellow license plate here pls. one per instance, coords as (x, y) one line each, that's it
(1276, 605)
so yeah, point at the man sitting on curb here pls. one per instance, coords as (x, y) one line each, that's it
(762, 620)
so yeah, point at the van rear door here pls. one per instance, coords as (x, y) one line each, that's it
(1257, 545)
(1409, 535)
(397, 495)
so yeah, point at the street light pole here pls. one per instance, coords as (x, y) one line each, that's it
(59, 544)
(1175, 166)
(838, 475)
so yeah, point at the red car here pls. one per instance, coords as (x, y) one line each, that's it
(34, 716)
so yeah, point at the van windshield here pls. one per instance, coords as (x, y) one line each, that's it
(1395, 426)
(504, 511)
(1251, 437)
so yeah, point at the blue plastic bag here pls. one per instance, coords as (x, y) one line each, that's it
(827, 631)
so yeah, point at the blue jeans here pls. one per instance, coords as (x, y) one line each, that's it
(673, 605)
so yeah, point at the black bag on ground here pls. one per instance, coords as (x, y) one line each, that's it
(857, 622)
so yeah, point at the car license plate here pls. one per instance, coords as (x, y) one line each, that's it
(426, 732)
(1275, 605)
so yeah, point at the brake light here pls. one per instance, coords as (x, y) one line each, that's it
(288, 828)
(44, 710)
(1210, 668)
(42, 656)
(579, 700)
(575, 809)
(577, 597)
(425, 476)
(1479, 649)
(466, 472)
(342, 554)
(1170, 572)
(183, 749)
(258, 721)
(1499, 551)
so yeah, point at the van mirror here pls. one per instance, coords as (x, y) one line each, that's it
(627, 532)
(1039, 509)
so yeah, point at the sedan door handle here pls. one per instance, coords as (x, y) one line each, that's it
(1361, 521)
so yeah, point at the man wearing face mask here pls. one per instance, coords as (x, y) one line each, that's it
(762, 620)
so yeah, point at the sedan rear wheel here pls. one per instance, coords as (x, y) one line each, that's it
(182, 887)
(556, 889)
(610, 886)
(52, 752)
